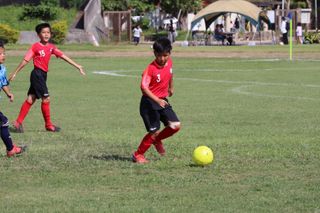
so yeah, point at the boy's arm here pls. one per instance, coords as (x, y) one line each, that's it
(6, 89)
(70, 61)
(20, 66)
(148, 93)
(171, 90)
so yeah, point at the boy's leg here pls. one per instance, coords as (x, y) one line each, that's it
(165, 133)
(6, 137)
(170, 119)
(27, 104)
(145, 144)
(45, 108)
(151, 119)
(168, 131)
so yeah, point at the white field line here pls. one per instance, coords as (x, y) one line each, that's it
(113, 73)
(239, 90)
(263, 60)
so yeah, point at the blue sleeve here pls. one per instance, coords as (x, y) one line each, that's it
(3, 78)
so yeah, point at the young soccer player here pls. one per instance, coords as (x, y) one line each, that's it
(40, 52)
(156, 86)
(12, 149)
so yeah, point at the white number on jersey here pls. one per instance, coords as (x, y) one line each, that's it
(42, 53)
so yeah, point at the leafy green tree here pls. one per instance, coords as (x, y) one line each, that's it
(186, 6)
(137, 6)
(114, 5)
(140, 6)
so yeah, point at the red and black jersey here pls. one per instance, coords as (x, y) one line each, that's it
(157, 78)
(41, 55)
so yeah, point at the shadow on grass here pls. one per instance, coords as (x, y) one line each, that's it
(110, 157)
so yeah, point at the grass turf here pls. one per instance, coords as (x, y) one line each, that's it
(260, 117)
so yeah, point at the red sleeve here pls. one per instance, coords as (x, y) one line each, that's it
(29, 55)
(58, 53)
(146, 79)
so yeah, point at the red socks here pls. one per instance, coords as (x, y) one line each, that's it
(148, 140)
(166, 132)
(23, 111)
(45, 108)
(145, 144)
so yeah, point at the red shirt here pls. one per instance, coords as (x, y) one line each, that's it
(41, 55)
(157, 78)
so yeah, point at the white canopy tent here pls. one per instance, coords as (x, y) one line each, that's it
(218, 8)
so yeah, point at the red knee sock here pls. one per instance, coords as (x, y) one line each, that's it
(23, 111)
(166, 132)
(45, 108)
(145, 144)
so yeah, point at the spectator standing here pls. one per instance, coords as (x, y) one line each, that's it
(299, 33)
(284, 31)
(137, 32)
(236, 24)
(172, 32)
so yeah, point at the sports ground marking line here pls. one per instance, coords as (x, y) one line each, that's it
(217, 70)
(115, 73)
(237, 90)
(262, 60)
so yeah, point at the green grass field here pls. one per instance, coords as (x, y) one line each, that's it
(260, 116)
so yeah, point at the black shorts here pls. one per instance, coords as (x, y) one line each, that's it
(152, 113)
(38, 84)
(136, 39)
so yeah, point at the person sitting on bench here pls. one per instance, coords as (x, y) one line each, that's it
(218, 33)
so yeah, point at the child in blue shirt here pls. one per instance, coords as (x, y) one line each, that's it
(12, 149)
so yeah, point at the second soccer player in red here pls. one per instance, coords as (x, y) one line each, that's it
(40, 52)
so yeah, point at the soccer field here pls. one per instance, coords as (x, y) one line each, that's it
(260, 116)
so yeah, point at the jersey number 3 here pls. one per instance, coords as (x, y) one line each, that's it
(158, 78)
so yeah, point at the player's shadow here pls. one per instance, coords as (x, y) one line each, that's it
(113, 157)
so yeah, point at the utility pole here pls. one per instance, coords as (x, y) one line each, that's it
(316, 14)
(282, 14)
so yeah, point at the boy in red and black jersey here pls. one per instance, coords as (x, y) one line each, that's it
(156, 86)
(40, 52)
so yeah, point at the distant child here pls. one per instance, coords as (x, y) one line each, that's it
(40, 52)
(12, 149)
(156, 86)
(137, 34)
(299, 33)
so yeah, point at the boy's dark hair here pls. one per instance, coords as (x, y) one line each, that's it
(1, 44)
(162, 45)
(39, 27)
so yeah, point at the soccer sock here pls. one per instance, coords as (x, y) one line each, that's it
(45, 108)
(6, 138)
(145, 144)
(166, 132)
(23, 111)
(4, 132)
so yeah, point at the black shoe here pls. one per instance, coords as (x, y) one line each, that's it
(53, 128)
(16, 127)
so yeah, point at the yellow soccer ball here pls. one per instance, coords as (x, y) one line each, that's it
(202, 156)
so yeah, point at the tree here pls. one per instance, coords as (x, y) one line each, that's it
(114, 5)
(140, 6)
(137, 6)
(186, 6)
